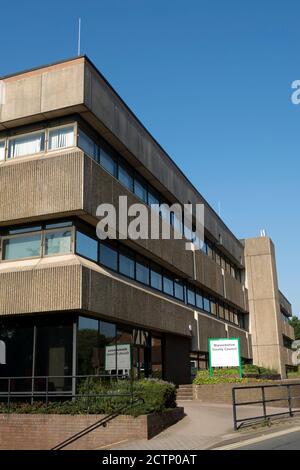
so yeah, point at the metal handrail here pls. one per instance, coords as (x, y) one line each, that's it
(238, 423)
(102, 422)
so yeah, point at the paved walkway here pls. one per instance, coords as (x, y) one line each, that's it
(203, 426)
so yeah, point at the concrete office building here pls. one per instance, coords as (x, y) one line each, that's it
(272, 336)
(67, 144)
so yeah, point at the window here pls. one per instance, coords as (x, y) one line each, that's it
(213, 307)
(19, 247)
(57, 242)
(61, 137)
(88, 346)
(178, 290)
(191, 296)
(156, 278)
(28, 144)
(2, 150)
(87, 145)
(153, 200)
(58, 225)
(142, 271)
(108, 163)
(206, 304)
(126, 264)
(86, 246)
(226, 313)
(17, 335)
(140, 189)
(199, 301)
(125, 177)
(221, 311)
(168, 286)
(54, 353)
(108, 256)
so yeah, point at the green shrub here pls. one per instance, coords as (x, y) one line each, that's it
(231, 375)
(219, 376)
(157, 396)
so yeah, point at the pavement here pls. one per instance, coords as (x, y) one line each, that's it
(205, 426)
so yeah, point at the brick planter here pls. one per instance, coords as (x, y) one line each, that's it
(42, 431)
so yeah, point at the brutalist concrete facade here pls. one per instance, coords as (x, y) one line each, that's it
(269, 309)
(69, 183)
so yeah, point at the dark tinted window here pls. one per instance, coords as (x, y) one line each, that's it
(191, 296)
(108, 256)
(86, 246)
(156, 278)
(126, 264)
(142, 271)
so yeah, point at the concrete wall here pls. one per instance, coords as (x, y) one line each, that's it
(41, 187)
(266, 326)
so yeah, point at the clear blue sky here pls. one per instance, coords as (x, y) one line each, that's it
(210, 79)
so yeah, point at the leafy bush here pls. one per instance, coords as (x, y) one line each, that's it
(231, 375)
(219, 376)
(158, 396)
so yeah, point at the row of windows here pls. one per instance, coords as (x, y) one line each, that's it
(128, 177)
(66, 136)
(115, 256)
(62, 238)
(37, 142)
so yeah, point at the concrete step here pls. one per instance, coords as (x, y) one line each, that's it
(185, 392)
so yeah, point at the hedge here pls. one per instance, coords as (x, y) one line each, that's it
(158, 396)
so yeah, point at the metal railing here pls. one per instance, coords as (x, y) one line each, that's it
(48, 389)
(101, 422)
(288, 399)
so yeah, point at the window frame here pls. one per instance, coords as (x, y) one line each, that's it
(16, 136)
(71, 229)
(73, 124)
(20, 235)
(42, 232)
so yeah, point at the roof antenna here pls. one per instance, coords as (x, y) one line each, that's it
(79, 37)
(219, 208)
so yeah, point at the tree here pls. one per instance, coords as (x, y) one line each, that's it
(295, 323)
